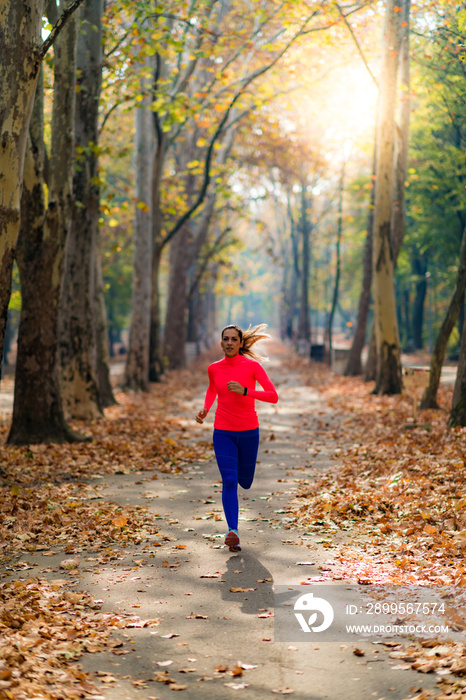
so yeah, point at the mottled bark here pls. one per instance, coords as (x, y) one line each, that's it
(37, 411)
(80, 393)
(429, 398)
(21, 51)
(137, 362)
(20, 25)
(388, 380)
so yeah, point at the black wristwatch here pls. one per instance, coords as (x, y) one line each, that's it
(245, 391)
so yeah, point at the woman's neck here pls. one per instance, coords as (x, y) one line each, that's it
(235, 358)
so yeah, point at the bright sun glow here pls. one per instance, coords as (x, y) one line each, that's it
(355, 103)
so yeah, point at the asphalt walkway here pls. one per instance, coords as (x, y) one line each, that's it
(216, 633)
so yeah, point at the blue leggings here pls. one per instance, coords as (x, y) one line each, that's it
(236, 453)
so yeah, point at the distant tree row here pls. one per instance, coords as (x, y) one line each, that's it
(141, 143)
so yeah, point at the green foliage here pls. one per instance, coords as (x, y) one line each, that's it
(435, 194)
(117, 274)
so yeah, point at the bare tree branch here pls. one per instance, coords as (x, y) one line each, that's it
(56, 29)
(358, 45)
(208, 160)
(118, 44)
(109, 113)
(212, 250)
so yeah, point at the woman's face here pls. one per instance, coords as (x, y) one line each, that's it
(231, 342)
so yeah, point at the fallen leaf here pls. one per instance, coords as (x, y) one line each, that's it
(107, 679)
(236, 671)
(69, 564)
(163, 677)
(283, 691)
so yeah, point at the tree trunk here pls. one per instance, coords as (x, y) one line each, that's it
(458, 408)
(21, 24)
(284, 304)
(198, 321)
(37, 411)
(429, 398)
(370, 369)
(294, 275)
(176, 318)
(182, 256)
(388, 379)
(354, 366)
(304, 326)
(80, 394)
(461, 317)
(401, 160)
(336, 287)
(419, 269)
(104, 386)
(156, 364)
(137, 361)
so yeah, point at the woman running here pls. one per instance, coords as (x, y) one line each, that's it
(236, 426)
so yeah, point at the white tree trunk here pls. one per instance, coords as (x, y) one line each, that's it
(80, 394)
(402, 141)
(37, 411)
(388, 379)
(137, 362)
(20, 24)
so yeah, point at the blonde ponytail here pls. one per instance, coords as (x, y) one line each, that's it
(250, 338)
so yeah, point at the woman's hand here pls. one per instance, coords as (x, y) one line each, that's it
(201, 415)
(235, 387)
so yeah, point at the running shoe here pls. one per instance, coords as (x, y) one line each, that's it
(232, 541)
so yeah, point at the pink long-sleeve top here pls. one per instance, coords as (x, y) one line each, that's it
(234, 411)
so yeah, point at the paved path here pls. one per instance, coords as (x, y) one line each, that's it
(231, 627)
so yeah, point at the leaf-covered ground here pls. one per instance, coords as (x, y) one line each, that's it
(48, 501)
(392, 511)
(400, 486)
